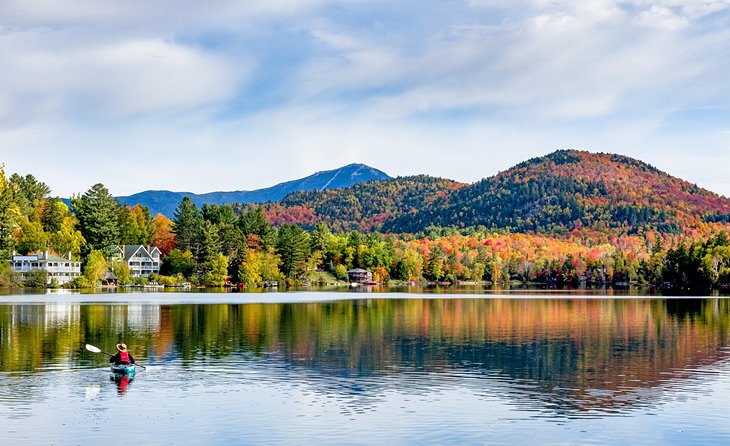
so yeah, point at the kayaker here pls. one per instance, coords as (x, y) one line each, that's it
(122, 356)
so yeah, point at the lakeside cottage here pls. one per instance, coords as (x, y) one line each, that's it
(62, 269)
(359, 275)
(141, 260)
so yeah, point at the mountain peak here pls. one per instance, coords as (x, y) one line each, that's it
(165, 202)
(574, 156)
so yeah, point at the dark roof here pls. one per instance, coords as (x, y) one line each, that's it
(129, 250)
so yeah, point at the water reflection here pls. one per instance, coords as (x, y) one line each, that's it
(122, 382)
(557, 357)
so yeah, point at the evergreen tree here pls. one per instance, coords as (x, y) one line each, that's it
(186, 221)
(28, 194)
(54, 211)
(254, 223)
(293, 248)
(230, 239)
(218, 215)
(209, 246)
(320, 238)
(98, 216)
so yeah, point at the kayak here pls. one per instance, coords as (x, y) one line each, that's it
(123, 369)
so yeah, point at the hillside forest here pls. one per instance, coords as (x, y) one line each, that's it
(587, 242)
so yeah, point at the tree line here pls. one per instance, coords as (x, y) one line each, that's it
(216, 245)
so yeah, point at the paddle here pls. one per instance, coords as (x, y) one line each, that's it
(94, 349)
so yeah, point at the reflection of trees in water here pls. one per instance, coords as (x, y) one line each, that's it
(574, 355)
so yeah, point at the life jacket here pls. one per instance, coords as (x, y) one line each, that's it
(124, 357)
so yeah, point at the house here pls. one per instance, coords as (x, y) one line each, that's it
(359, 275)
(63, 269)
(141, 260)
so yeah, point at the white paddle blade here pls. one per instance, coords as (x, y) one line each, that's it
(91, 348)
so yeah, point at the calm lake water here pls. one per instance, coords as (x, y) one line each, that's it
(344, 368)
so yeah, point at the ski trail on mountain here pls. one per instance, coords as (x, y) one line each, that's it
(331, 179)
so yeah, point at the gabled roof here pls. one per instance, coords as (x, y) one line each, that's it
(358, 270)
(131, 250)
(128, 251)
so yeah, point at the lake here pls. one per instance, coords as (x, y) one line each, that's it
(332, 368)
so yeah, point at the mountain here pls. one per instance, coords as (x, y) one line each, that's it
(571, 189)
(165, 202)
(554, 194)
(363, 207)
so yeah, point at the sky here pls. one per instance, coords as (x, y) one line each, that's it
(215, 95)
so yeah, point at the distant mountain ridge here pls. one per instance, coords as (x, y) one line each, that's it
(552, 194)
(165, 202)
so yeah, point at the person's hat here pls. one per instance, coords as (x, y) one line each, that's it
(122, 347)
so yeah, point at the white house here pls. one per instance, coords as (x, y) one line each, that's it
(62, 269)
(142, 260)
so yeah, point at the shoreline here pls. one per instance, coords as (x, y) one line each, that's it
(310, 294)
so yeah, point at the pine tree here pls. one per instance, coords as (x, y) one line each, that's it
(98, 215)
(209, 246)
(186, 221)
(293, 248)
(254, 223)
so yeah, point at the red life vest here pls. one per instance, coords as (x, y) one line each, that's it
(124, 357)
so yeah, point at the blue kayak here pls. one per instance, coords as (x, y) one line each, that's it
(123, 369)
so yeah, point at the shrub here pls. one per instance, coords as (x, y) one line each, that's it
(81, 282)
(8, 277)
(36, 279)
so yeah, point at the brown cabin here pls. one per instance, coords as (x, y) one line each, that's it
(359, 275)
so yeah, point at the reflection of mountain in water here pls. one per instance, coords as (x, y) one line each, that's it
(575, 356)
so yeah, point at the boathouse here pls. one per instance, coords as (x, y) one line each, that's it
(359, 275)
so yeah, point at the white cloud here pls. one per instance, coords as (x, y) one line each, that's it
(573, 63)
(160, 15)
(111, 79)
(206, 91)
(663, 18)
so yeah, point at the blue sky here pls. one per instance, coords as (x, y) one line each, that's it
(229, 95)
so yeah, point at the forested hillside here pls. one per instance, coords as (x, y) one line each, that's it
(553, 194)
(363, 207)
(572, 189)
